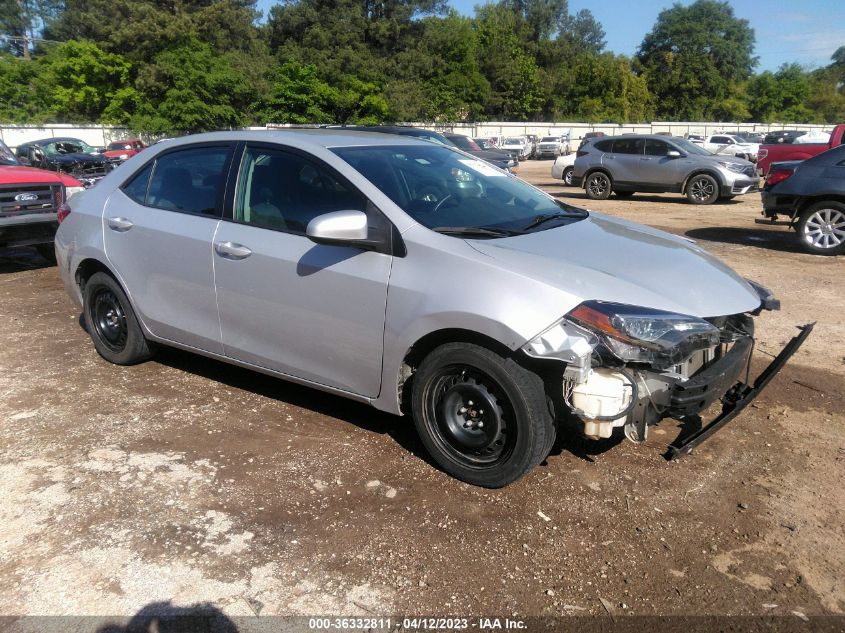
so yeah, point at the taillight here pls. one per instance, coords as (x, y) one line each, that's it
(778, 175)
(63, 212)
(581, 153)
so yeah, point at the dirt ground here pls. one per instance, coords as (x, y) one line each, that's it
(185, 480)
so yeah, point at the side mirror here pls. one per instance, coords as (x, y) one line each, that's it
(673, 153)
(338, 227)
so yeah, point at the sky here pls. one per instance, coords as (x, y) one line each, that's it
(802, 31)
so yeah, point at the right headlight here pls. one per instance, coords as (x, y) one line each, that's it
(644, 335)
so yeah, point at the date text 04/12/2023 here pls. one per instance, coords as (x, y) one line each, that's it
(416, 623)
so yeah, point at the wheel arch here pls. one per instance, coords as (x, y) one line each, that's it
(593, 170)
(87, 267)
(698, 172)
(427, 343)
(807, 202)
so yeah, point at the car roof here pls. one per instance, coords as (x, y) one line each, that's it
(58, 139)
(314, 137)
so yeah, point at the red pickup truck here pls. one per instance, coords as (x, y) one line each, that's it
(29, 203)
(769, 154)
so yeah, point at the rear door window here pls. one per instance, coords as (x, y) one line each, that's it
(190, 180)
(603, 146)
(628, 146)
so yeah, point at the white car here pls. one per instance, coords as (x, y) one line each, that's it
(552, 147)
(562, 168)
(728, 145)
(517, 145)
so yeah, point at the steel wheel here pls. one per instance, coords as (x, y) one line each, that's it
(111, 323)
(482, 416)
(598, 186)
(469, 415)
(567, 176)
(109, 320)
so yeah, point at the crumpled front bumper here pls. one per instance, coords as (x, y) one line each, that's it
(706, 387)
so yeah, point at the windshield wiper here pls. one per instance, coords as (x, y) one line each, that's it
(546, 217)
(478, 231)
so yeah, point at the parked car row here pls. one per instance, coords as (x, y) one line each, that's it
(808, 192)
(400, 272)
(653, 163)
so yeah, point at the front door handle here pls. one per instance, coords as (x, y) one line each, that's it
(231, 250)
(121, 225)
(645, 158)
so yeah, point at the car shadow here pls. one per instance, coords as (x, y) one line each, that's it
(774, 238)
(362, 415)
(165, 617)
(570, 439)
(578, 194)
(18, 259)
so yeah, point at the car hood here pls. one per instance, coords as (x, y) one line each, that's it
(20, 175)
(724, 158)
(609, 259)
(491, 155)
(64, 159)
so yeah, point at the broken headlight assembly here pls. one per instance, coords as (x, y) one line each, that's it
(634, 334)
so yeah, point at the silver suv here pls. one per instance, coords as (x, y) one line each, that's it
(413, 277)
(630, 163)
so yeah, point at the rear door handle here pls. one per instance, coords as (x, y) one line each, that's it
(121, 225)
(231, 250)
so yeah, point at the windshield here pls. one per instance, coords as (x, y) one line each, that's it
(514, 140)
(464, 143)
(71, 146)
(690, 148)
(6, 155)
(453, 193)
(113, 147)
(549, 139)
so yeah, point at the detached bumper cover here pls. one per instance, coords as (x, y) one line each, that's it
(705, 386)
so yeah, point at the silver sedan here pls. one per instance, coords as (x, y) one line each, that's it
(413, 277)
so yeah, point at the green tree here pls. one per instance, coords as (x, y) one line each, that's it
(516, 91)
(781, 96)
(192, 89)
(694, 57)
(21, 21)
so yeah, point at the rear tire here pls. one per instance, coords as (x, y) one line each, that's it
(598, 186)
(567, 176)
(702, 189)
(821, 228)
(111, 322)
(482, 417)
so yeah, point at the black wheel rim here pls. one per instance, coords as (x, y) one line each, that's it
(469, 417)
(109, 319)
(598, 185)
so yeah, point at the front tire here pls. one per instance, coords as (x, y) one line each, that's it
(482, 417)
(567, 176)
(821, 228)
(598, 186)
(702, 189)
(111, 322)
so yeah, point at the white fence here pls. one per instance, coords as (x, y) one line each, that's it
(97, 135)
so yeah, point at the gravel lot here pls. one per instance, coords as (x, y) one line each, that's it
(185, 480)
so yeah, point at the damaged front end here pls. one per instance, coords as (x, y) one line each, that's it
(630, 367)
